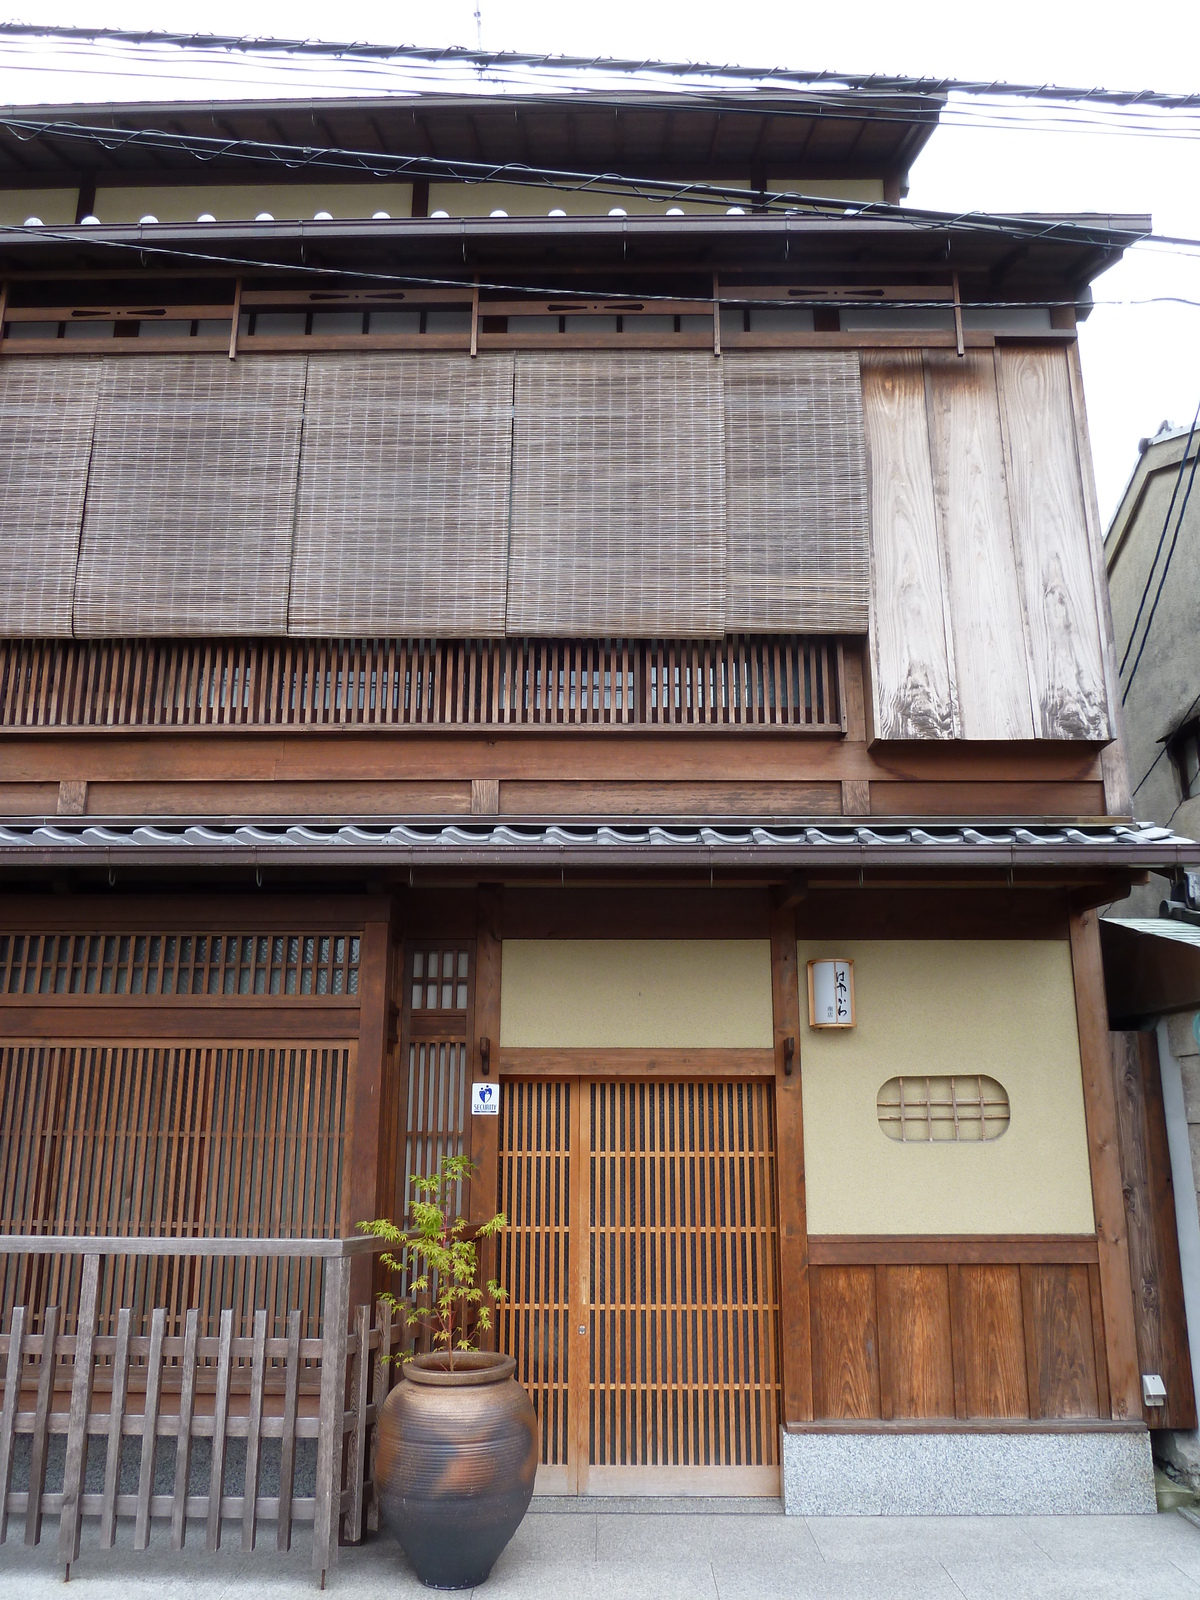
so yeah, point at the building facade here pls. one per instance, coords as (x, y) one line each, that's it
(525, 638)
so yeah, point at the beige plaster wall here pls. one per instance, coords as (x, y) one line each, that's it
(53, 206)
(927, 1007)
(631, 993)
(529, 200)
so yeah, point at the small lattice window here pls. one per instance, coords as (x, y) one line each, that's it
(439, 980)
(963, 1109)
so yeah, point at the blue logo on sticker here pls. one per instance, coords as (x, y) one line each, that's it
(485, 1093)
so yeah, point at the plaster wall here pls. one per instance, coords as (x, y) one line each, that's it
(631, 993)
(242, 202)
(925, 1007)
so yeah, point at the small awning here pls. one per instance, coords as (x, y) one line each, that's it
(1151, 967)
(477, 843)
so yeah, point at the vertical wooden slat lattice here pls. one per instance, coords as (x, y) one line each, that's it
(402, 514)
(47, 410)
(535, 1189)
(796, 487)
(618, 495)
(191, 497)
(758, 681)
(233, 1140)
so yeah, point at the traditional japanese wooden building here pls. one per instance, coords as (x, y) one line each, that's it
(508, 629)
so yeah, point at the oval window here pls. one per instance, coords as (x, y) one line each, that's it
(963, 1109)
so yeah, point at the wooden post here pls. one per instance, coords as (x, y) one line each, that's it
(330, 1434)
(77, 1421)
(8, 1417)
(365, 1099)
(1108, 1200)
(237, 317)
(485, 1131)
(795, 1327)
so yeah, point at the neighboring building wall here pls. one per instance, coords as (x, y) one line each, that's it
(1186, 1051)
(1166, 689)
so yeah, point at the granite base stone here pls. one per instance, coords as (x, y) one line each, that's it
(967, 1474)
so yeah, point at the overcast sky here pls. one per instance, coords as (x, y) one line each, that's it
(1141, 362)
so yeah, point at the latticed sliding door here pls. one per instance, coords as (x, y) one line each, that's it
(641, 1265)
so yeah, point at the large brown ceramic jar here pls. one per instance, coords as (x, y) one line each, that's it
(455, 1464)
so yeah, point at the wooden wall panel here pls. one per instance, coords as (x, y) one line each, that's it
(990, 1341)
(991, 668)
(911, 664)
(915, 1351)
(845, 1342)
(1054, 555)
(1060, 1351)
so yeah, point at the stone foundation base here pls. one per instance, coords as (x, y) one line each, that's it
(1024, 1473)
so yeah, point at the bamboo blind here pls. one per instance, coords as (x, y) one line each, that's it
(47, 409)
(796, 490)
(684, 1300)
(618, 495)
(235, 1140)
(191, 497)
(534, 1265)
(783, 681)
(289, 964)
(402, 514)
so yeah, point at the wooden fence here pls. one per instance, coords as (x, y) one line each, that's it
(238, 1384)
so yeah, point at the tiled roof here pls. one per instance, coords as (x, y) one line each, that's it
(478, 843)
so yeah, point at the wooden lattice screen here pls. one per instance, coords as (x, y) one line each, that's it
(765, 681)
(235, 1139)
(640, 1261)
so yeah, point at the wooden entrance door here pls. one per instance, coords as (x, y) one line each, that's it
(640, 1262)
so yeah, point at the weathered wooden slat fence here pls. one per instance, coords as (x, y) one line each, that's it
(238, 1384)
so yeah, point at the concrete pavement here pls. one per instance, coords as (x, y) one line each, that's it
(720, 1554)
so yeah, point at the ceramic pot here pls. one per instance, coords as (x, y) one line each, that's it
(455, 1464)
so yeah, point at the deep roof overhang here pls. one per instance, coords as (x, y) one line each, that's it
(502, 846)
(847, 133)
(1025, 254)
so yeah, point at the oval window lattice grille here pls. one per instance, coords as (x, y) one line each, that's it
(964, 1109)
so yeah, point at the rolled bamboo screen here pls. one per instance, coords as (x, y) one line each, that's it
(618, 513)
(796, 492)
(191, 497)
(47, 409)
(402, 514)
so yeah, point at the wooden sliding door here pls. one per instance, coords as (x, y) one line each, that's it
(641, 1265)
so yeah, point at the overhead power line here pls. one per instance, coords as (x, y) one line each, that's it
(498, 60)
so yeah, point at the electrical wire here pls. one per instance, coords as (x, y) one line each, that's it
(1162, 537)
(498, 60)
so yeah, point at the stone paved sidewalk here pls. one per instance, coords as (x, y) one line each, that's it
(721, 1555)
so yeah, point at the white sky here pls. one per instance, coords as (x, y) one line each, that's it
(1141, 362)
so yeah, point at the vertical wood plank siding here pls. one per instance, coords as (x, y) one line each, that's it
(191, 497)
(47, 411)
(618, 495)
(402, 513)
(796, 492)
(782, 681)
(237, 1140)
(984, 616)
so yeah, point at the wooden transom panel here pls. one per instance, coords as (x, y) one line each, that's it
(641, 1267)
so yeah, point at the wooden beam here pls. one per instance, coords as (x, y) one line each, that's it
(485, 1059)
(365, 1096)
(1108, 1199)
(795, 1326)
(587, 1062)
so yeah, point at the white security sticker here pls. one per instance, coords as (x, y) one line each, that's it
(485, 1099)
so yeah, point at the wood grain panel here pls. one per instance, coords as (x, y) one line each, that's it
(710, 800)
(1054, 558)
(915, 1354)
(1063, 1358)
(991, 668)
(912, 676)
(990, 1341)
(987, 799)
(845, 1342)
